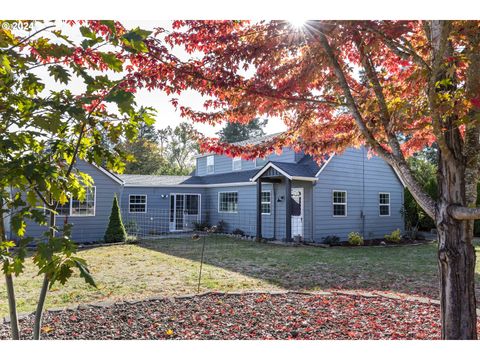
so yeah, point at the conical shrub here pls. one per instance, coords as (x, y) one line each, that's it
(115, 231)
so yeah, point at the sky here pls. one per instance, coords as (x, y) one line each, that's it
(167, 115)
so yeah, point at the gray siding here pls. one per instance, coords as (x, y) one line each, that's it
(344, 172)
(157, 218)
(87, 228)
(223, 164)
(245, 218)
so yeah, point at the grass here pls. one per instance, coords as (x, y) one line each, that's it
(170, 267)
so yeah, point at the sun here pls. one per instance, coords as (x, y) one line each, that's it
(297, 23)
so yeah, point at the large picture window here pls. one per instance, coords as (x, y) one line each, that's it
(266, 202)
(339, 203)
(384, 204)
(137, 203)
(228, 202)
(210, 164)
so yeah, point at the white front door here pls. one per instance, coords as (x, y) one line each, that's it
(297, 212)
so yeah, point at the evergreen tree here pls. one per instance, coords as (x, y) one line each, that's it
(233, 132)
(115, 231)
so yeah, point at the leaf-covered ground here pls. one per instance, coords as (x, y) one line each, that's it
(245, 316)
(169, 267)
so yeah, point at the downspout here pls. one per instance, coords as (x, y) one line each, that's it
(363, 192)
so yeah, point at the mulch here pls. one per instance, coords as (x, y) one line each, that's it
(244, 316)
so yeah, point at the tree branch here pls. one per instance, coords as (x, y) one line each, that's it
(399, 164)
(464, 213)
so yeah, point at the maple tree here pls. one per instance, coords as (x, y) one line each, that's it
(46, 129)
(395, 86)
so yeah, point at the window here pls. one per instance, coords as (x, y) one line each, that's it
(64, 210)
(191, 204)
(228, 202)
(266, 202)
(339, 203)
(384, 204)
(137, 203)
(85, 207)
(210, 164)
(259, 162)
(237, 163)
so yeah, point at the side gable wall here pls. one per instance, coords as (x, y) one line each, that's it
(88, 228)
(345, 172)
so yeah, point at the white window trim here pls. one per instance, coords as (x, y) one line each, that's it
(256, 165)
(389, 202)
(218, 201)
(94, 205)
(129, 203)
(213, 164)
(264, 202)
(345, 203)
(236, 160)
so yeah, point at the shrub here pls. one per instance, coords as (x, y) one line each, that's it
(238, 231)
(331, 240)
(115, 230)
(131, 239)
(354, 238)
(131, 227)
(221, 227)
(395, 236)
(200, 226)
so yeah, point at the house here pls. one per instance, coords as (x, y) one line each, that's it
(280, 197)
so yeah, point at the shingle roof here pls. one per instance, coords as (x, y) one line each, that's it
(295, 169)
(233, 177)
(167, 180)
(256, 140)
(152, 180)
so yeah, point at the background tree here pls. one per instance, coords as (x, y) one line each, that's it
(45, 129)
(234, 132)
(395, 86)
(168, 151)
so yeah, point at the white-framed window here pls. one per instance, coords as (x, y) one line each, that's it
(237, 163)
(210, 164)
(137, 203)
(75, 207)
(339, 201)
(384, 204)
(266, 202)
(228, 202)
(259, 162)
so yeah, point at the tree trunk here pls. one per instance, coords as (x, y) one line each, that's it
(456, 256)
(39, 311)
(12, 303)
(12, 307)
(43, 292)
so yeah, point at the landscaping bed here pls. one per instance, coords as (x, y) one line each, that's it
(244, 316)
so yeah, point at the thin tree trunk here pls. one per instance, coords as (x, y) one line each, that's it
(39, 311)
(12, 307)
(456, 257)
(43, 292)
(12, 303)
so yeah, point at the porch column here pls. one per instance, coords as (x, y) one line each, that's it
(259, 209)
(288, 210)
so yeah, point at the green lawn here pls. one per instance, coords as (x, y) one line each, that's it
(170, 267)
